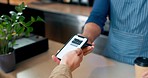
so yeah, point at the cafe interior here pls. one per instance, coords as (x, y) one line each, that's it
(63, 19)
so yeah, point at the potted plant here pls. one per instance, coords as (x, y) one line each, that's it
(12, 27)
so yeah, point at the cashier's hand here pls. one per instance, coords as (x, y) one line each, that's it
(88, 49)
(145, 75)
(71, 59)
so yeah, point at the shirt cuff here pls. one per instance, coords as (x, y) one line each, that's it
(61, 71)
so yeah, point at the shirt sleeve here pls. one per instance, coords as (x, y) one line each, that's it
(99, 13)
(61, 71)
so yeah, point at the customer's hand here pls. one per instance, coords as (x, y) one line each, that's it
(55, 59)
(145, 75)
(71, 59)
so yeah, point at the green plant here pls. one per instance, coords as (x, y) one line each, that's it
(14, 26)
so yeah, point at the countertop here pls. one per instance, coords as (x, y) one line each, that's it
(92, 66)
(54, 7)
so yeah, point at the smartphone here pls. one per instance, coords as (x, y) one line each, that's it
(75, 42)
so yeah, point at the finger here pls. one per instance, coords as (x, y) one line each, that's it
(93, 44)
(80, 34)
(79, 51)
(55, 59)
(88, 50)
(80, 54)
(145, 75)
(58, 51)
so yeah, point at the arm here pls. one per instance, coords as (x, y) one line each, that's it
(61, 71)
(95, 22)
(91, 31)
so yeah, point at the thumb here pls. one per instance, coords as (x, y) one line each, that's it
(55, 59)
(79, 51)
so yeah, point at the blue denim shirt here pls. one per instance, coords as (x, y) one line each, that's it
(128, 34)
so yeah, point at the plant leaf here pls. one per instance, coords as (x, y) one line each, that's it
(32, 19)
(8, 26)
(28, 23)
(22, 18)
(20, 7)
(29, 29)
(12, 12)
(9, 36)
(21, 30)
(39, 19)
(13, 17)
(13, 43)
(7, 17)
(16, 27)
(4, 23)
(1, 27)
(1, 33)
(27, 32)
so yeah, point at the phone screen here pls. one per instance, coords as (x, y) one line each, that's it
(74, 43)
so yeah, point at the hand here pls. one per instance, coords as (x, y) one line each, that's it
(88, 49)
(55, 59)
(91, 31)
(145, 75)
(71, 59)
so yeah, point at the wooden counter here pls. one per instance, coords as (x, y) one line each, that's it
(92, 66)
(64, 8)
(54, 7)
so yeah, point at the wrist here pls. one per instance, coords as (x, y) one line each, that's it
(91, 31)
(89, 37)
(67, 65)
